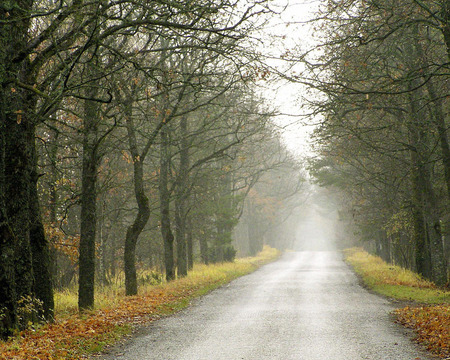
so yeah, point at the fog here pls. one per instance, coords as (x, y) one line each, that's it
(310, 221)
(316, 230)
(318, 226)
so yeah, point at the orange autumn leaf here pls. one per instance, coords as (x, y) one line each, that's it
(432, 325)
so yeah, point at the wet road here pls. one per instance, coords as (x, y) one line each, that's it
(306, 306)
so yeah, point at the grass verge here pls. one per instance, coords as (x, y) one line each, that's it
(429, 312)
(74, 336)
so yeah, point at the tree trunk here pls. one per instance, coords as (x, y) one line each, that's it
(143, 214)
(88, 204)
(437, 110)
(102, 257)
(181, 199)
(131, 239)
(425, 204)
(422, 254)
(441, 126)
(204, 250)
(190, 243)
(384, 246)
(180, 234)
(53, 199)
(112, 256)
(8, 295)
(135, 229)
(254, 236)
(16, 166)
(43, 284)
(445, 15)
(16, 187)
(433, 220)
(164, 196)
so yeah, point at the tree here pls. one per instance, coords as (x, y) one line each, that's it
(376, 82)
(60, 57)
(19, 213)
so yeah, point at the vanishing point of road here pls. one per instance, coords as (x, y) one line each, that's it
(305, 306)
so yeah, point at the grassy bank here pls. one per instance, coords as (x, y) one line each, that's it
(429, 310)
(73, 336)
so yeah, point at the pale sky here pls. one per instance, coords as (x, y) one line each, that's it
(287, 97)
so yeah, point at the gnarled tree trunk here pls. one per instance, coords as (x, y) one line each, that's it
(143, 214)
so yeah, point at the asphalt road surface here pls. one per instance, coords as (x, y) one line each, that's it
(306, 306)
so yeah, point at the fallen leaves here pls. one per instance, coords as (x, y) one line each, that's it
(432, 325)
(76, 336)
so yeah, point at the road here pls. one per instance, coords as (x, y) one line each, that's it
(306, 306)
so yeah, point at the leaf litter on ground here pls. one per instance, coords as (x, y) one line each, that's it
(432, 325)
(77, 336)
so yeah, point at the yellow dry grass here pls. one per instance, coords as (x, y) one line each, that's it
(376, 271)
(202, 276)
(73, 336)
